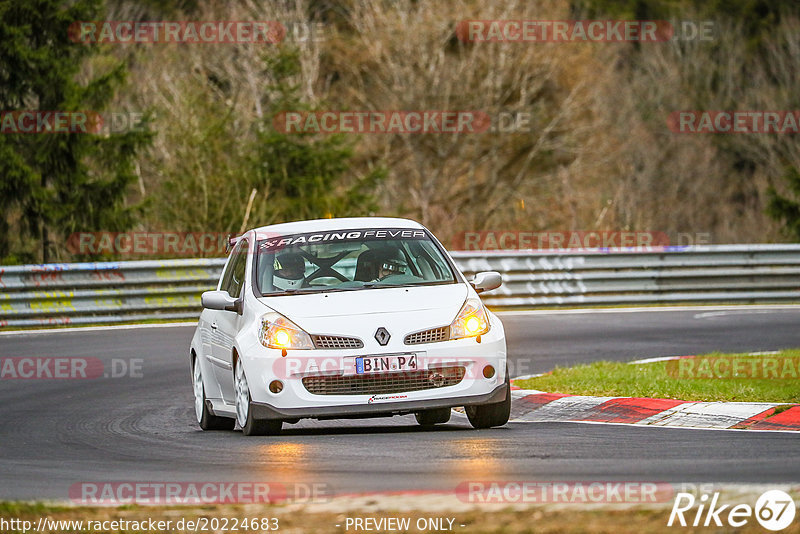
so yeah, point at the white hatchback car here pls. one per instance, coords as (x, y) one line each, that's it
(346, 318)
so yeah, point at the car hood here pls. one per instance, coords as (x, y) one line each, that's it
(360, 312)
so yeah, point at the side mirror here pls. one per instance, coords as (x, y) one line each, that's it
(486, 281)
(220, 300)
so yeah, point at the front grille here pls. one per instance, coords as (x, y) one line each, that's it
(384, 383)
(337, 342)
(428, 336)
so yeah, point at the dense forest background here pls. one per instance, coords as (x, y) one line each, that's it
(597, 153)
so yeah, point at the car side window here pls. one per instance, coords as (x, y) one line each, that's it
(226, 276)
(239, 264)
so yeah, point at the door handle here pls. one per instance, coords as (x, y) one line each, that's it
(214, 326)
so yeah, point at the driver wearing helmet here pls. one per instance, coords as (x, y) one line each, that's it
(391, 262)
(289, 271)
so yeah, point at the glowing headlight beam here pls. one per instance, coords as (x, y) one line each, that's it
(473, 325)
(471, 321)
(282, 338)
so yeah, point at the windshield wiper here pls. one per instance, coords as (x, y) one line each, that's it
(329, 289)
(418, 284)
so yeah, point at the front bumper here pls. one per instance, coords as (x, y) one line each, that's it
(267, 411)
(263, 365)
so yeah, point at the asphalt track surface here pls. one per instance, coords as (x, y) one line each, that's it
(56, 433)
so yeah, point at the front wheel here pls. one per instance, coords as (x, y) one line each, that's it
(205, 418)
(494, 414)
(244, 413)
(433, 417)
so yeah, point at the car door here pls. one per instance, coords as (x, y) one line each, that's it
(209, 335)
(226, 324)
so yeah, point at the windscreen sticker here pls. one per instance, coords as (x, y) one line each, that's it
(340, 236)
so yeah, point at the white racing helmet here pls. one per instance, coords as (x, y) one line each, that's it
(288, 271)
(392, 261)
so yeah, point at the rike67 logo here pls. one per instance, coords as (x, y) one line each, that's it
(774, 510)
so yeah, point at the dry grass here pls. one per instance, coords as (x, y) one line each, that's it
(598, 154)
(529, 520)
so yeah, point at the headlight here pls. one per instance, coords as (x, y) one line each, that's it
(278, 332)
(471, 321)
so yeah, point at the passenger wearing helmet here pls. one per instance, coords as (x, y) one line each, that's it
(391, 261)
(289, 271)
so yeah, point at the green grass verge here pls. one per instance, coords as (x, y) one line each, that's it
(656, 380)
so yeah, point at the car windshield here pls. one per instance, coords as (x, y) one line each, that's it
(345, 260)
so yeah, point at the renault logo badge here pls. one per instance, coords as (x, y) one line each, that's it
(382, 336)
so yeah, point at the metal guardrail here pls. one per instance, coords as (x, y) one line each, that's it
(104, 292)
(82, 293)
(721, 273)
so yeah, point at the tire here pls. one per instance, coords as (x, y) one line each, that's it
(490, 415)
(433, 417)
(244, 412)
(205, 418)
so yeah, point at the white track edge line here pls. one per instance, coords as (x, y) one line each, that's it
(642, 309)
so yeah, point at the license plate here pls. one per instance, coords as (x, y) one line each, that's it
(366, 365)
